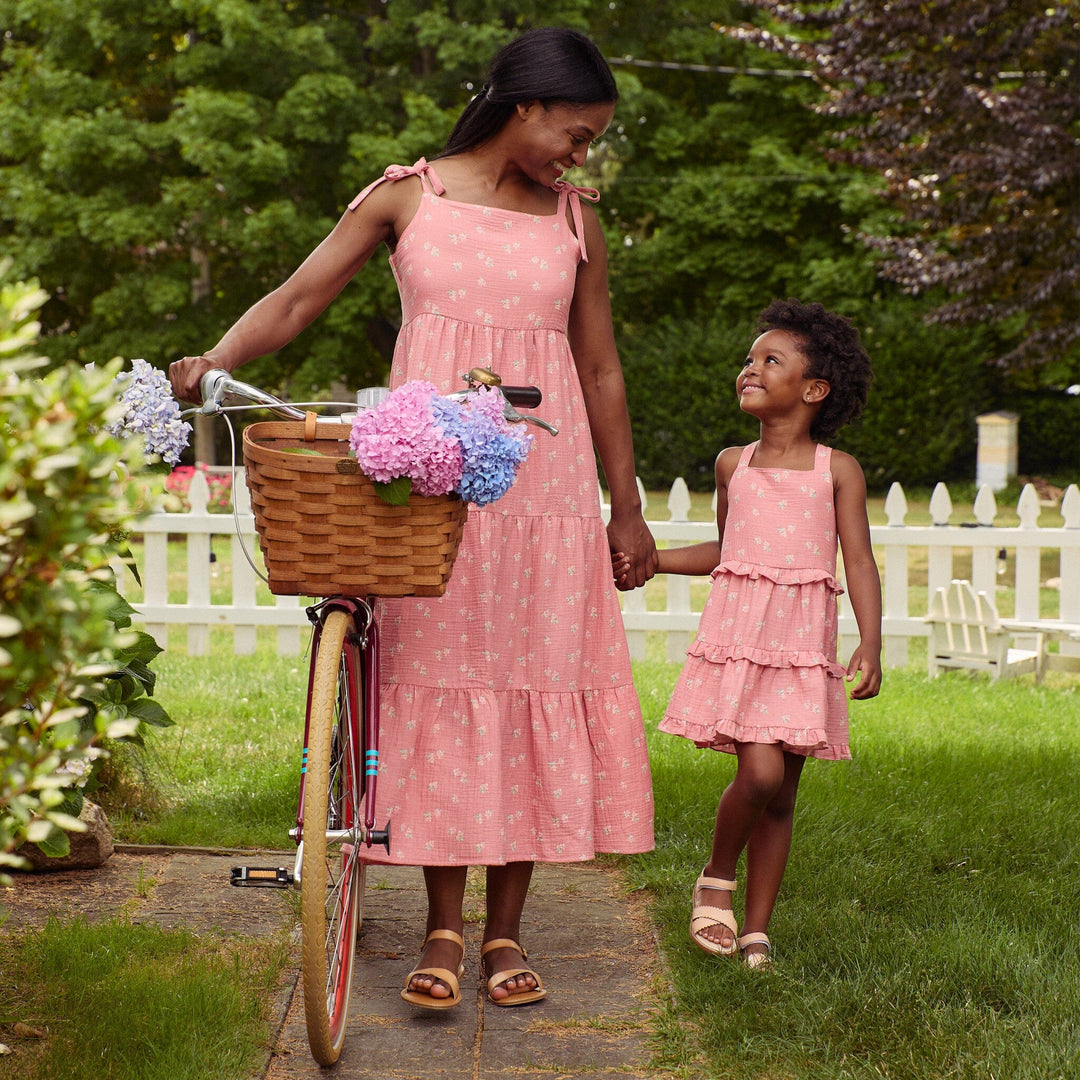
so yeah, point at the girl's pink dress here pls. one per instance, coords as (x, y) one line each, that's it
(763, 666)
(510, 728)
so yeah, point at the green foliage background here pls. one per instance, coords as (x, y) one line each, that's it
(164, 163)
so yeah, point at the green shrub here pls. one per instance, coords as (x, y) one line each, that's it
(71, 671)
(930, 383)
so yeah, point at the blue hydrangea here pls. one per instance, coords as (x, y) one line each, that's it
(150, 410)
(492, 450)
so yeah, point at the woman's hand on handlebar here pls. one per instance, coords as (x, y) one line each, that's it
(184, 375)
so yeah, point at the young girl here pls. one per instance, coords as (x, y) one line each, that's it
(761, 679)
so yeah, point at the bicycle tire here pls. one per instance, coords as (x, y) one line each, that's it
(331, 881)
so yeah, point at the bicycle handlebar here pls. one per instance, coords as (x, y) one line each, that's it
(216, 385)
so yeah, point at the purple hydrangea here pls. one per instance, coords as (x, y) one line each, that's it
(150, 410)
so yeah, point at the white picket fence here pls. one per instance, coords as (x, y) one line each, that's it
(941, 544)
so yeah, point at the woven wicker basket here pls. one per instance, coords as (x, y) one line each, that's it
(323, 529)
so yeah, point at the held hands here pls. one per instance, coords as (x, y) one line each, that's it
(633, 551)
(866, 663)
(620, 570)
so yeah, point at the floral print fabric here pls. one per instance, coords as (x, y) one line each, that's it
(510, 728)
(763, 665)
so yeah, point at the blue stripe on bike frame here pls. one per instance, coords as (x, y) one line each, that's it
(371, 762)
(303, 762)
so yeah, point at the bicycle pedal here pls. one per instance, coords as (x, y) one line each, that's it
(260, 877)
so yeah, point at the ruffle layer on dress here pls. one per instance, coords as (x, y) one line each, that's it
(739, 698)
(781, 575)
(492, 776)
(769, 658)
(809, 742)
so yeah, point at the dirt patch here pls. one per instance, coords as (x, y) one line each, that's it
(119, 887)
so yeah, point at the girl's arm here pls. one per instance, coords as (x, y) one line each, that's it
(592, 341)
(698, 560)
(695, 560)
(860, 570)
(279, 316)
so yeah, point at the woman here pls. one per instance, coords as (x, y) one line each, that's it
(511, 729)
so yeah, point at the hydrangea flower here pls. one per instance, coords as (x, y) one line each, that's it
(399, 438)
(492, 449)
(439, 444)
(151, 410)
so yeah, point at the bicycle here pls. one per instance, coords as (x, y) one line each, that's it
(336, 801)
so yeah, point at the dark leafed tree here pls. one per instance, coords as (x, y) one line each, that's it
(970, 111)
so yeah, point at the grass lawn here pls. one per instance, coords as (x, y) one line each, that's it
(119, 1001)
(926, 927)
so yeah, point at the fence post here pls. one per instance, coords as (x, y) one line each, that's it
(1069, 585)
(156, 581)
(198, 565)
(678, 585)
(1027, 558)
(984, 559)
(243, 591)
(895, 574)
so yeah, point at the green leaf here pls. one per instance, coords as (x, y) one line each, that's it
(150, 712)
(396, 492)
(56, 845)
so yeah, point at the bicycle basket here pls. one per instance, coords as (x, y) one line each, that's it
(322, 528)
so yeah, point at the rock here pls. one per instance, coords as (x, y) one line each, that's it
(88, 849)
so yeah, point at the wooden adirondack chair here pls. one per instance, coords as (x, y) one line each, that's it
(965, 633)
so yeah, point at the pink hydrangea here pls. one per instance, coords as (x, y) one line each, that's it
(400, 437)
(439, 444)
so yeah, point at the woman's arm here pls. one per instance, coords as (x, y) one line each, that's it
(860, 571)
(592, 341)
(279, 316)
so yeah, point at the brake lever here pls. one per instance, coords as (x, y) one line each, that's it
(477, 377)
(514, 417)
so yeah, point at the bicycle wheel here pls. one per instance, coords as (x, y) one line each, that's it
(331, 875)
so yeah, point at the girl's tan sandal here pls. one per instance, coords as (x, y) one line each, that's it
(525, 996)
(702, 916)
(421, 997)
(756, 959)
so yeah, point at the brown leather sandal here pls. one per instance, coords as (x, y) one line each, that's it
(423, 999)
(525, 996)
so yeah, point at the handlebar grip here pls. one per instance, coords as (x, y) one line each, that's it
(527, 397)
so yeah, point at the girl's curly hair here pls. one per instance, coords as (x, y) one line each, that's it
(833, 352)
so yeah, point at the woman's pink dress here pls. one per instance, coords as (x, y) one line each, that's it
(763, 666)
(510, 728)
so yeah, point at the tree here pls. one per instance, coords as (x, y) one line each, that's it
(970, 112)
(164, 163)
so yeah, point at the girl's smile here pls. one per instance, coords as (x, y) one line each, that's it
(774, 370)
